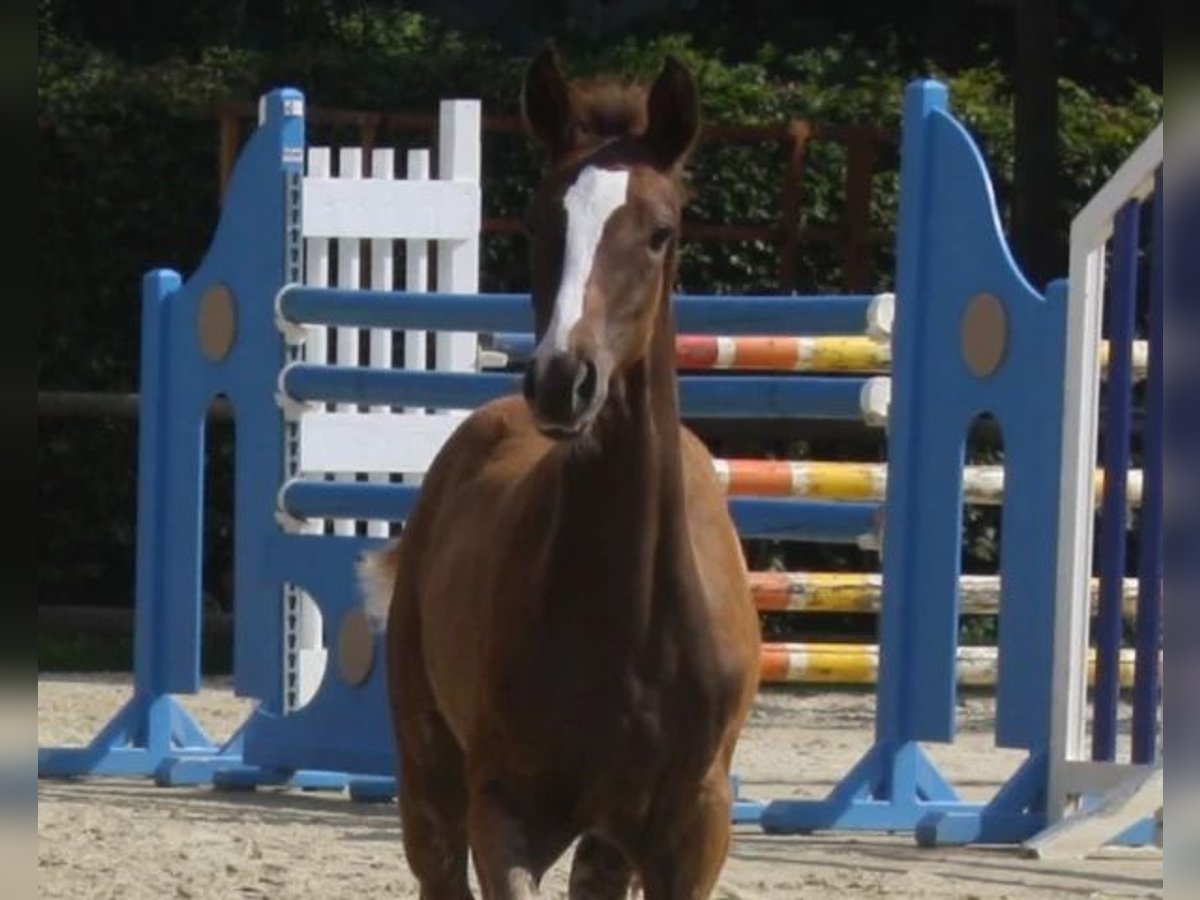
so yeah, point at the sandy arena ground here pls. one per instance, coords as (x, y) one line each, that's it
(128, 839)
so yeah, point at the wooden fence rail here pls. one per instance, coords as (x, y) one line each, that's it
(853, 237)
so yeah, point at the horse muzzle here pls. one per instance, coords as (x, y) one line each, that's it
(564, 392)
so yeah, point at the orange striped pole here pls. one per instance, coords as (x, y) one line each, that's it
(982, 485)
(847, 354)
(787, 354)
(827, 353)
(862, 592)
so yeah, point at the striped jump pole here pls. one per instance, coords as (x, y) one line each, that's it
(982, 485)
(861, 592)
(848, 354)
(829, 354)
(858, 664)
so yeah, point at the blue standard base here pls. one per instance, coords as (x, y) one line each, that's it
(748, 812)
(373, 789)
(249, 778)
(892, 788)
(140, 738)
(1016, 813)
(896, 788)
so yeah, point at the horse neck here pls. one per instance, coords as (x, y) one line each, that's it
(625, 484)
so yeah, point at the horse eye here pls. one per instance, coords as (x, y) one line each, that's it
(659, 237)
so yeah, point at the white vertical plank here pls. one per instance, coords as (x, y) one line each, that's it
(458, 261)
(1076, 511)
(383, 165)
(316, 274)
(416, 270)
(311, 654)
(316, 266)
(416, 281)
(382, 267)
(349, 274)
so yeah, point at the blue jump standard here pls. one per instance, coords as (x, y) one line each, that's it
(950, 252)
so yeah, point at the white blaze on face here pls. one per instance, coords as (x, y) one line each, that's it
(589, 203)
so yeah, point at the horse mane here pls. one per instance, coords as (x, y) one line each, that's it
(604, 108)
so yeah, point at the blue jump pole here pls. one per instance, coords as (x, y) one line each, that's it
(1122, 297)
(400, 310)
(711, 396)
(695, 314)
(755, 517)
(1147, 682)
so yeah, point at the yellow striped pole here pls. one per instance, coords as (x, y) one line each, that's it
(982, 485)
(861, 592)
(858, 664)
(846, 354)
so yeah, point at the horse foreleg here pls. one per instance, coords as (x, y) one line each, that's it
(511, 852)
(687, 850)
(433, 809)
(599, 871)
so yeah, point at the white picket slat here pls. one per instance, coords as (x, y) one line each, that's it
(379, 354)
(366, 442)
(349, 275)
(433, 210)
(458, 260)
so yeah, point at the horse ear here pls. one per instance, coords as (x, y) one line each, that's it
(673, 114)
(546, 102)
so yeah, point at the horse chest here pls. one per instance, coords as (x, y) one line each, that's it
(593, 697)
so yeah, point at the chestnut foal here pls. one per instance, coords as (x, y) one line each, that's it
(572, 648)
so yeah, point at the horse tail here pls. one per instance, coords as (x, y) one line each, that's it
(376, 571)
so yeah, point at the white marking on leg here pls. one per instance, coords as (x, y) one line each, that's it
(590, 202)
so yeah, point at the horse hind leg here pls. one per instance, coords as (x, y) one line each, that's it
(599, 871)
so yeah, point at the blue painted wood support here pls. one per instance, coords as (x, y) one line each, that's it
(343, 728)
(152, 725)
(1111, 547)
(951, 251)
(251, 257)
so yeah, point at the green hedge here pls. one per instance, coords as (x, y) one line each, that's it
(127, 181)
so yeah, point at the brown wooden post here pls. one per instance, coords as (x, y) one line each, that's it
(1035, 214)
(368, 132)
(799, 132)
(230, 141)
(860, 172)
